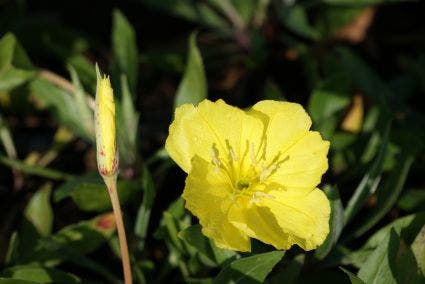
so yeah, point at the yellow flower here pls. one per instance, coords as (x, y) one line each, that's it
(252, 174)
(107, 158)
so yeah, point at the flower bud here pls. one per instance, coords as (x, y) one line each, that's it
(106, 146)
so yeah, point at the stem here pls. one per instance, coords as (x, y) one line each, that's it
(111, 183)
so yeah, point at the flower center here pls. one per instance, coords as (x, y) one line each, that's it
(242, 184)
(245, 169)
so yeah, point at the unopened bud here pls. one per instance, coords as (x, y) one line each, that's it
(106, 146)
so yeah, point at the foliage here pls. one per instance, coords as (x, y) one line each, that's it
(358, 67)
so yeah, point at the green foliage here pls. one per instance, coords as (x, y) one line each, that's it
(124, 46)
(15, 66)
(193, 87)
(39, 211)
(56, 225)
(252, 269)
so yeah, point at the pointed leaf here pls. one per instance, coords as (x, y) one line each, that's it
(353, 278)
(39, 211)
(418, 248)
(336, 222)
(370, 181)
(144, 212)
(194, 237)
(388, 194)
(15, 66)
(377, 268)
(124, 46)
(252, 269)
(193, 87)
(40, 274)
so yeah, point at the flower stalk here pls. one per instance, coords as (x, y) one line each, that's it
(107, 159)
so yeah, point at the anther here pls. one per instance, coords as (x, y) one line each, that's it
(233, 155)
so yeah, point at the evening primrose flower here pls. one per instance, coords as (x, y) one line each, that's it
(252, 174)
(107, 157)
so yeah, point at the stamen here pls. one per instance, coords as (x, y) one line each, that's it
(262, 194)
(266, 173)
(215, 159)
(233, 155)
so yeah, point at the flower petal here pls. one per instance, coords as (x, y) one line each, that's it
(285, 122)
(303, 164)
(301, 220)
(207, 195)
(208, 127)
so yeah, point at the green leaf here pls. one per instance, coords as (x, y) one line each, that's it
(40, 274)
(39, 211)
(63, 104)
(6, 139)
(85, 113)
(391, 262)
(353, 278)
(87, 236)
(335, 17)
(328, 100)
(16, 281)
(15, 66)
(124, 46)
(195, 11)
(367, 80)
(85, 70)
(90, 194)
(412, 200)
(291, 273)
(418, 248)
(336, 222)
(127, 123)
(144, 212)
(33, 169)
(194, 237)
(193, 87)
(247, 9)
(370, 181)
(252, 269)
(388, 194)
(295, 19)
(407, 227)
(361, 2)
(377, 268)
(70, 255)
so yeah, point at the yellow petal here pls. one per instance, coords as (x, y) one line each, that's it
(302, 220)
(207, 195)
(286, 124)
(209, 127)
(303, 164)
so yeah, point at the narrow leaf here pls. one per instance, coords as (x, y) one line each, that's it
(40, 274)
(418, 248)
(144, 212)
(253, 269)
(336, 222)
(194, 237)
(124, 46)
(370, 181)
(39, 211)
(353, 278)
(377, 268)
(193, 87)
(388, 194)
